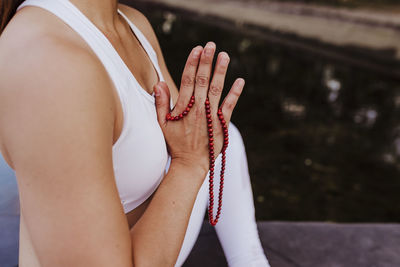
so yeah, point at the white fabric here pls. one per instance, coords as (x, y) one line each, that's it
(140, 156)
(237, 228)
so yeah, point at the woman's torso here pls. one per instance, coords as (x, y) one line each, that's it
(139, 151)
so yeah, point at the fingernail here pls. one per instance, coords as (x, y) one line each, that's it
(210, 48)
(157, 90)
(211, 44)
(224, 61)
(196, 53)
(241, 81)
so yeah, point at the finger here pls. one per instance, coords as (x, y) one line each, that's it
(217, 83)
(162, 97)
(231, 99)
(188, 80)
(203, 74)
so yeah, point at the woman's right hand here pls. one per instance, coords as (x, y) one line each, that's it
(187, 139)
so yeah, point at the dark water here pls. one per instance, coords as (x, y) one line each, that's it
(322, 137)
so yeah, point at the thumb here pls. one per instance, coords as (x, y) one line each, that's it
(162, 96)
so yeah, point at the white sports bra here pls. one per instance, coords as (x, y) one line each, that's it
(140, 155)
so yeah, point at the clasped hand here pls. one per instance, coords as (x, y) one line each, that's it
(187, 139)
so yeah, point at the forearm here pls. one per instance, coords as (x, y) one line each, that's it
(157, 237)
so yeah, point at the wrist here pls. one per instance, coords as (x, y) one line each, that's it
(192, 167)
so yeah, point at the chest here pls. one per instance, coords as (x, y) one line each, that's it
(140, 154)
(136, 60)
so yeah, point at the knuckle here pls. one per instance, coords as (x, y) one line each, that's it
(193, 62)
(202, 80)
(215, 89)
(237, 93)
(187, 80)
(207, 60)
(229, 105)
(221, 70)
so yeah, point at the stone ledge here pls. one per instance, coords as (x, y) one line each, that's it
(286, 244)
(290, 244)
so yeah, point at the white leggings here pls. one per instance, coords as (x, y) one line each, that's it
(236, 228)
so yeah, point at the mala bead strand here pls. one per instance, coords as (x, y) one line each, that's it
(211, 219)
(210, 130)
(183, 114)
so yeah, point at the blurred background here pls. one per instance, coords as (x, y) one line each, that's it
(320, 114)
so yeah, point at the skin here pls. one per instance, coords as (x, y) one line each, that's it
(60, 116)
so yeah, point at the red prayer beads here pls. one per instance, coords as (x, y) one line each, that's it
(211, 219)
(184, 113)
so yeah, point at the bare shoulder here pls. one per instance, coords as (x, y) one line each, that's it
(35, 36)
(140, 21)
(38, 44)
(45, 71)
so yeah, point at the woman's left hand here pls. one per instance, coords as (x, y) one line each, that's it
(188, 138)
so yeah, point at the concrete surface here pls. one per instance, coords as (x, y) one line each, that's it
(286, 245)
(312, 245)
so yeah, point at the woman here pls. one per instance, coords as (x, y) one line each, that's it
(83, 106)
